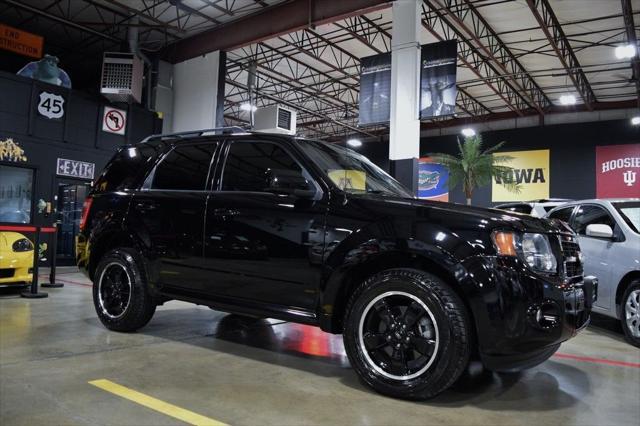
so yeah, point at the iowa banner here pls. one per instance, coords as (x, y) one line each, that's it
(531, 172)
(618, 171)
(432, 180)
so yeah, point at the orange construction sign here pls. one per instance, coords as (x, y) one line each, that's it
(21, 42)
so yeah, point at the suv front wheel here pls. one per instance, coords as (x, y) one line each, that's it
(120, 294)
(407, 334)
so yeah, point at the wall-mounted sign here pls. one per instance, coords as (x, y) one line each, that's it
(51, 105)
(21, 42)
(114, 120)
(11, 151)
(530, 171)
(438, 79)
(618, 171)
(432, 180)
(75, 169)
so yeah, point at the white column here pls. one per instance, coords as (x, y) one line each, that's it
(404, 137)
(195, 92)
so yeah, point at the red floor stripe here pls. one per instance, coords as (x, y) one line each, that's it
(598, 360)
(65, 281)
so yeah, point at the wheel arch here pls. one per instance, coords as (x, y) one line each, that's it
(344, 282)
(107, 241)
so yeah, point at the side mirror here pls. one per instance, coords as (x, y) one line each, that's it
(289, 182)
(599, 230)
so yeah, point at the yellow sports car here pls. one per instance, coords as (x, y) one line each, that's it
(16, 259)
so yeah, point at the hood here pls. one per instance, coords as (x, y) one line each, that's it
(460, 215)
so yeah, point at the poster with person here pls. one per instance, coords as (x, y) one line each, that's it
(375, 89)
(438, 79)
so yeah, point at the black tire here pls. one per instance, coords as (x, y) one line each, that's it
(135, 309)
(449, 339)
(634, 321)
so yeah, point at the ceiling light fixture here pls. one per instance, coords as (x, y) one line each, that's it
(567, 100)
(468, 132)
(635, 120)
(248, 107)
(354, 143)
(626, 51)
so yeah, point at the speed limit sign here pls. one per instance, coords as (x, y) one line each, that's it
(51, 105)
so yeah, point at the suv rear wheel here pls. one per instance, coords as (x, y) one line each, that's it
(630, 313)
(120, 295)
(407, 334)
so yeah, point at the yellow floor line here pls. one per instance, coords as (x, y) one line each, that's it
(155, 404)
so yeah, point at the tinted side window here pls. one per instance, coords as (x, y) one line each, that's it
(125, 169)
(588, 215)
(562, 214)
(184, 168)
(520, 208)
(249, 164)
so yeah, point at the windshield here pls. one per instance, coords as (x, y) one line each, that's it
(352, 172)
(630, 212)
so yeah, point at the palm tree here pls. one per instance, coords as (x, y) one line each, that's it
(474, 167)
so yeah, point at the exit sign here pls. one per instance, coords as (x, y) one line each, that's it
(75, 169)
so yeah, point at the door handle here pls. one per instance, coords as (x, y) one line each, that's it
(223, 212)
(146, 205)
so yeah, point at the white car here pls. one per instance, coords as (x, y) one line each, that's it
(537, 208)
(609, 237)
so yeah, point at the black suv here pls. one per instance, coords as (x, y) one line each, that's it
(305, 231)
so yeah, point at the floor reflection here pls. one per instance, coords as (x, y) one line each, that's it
(274, 335)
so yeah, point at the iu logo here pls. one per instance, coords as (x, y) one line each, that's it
(629, 177)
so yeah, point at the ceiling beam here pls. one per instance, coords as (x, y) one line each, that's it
(268, 23)
(552, 28)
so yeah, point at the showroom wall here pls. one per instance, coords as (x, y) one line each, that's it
(572, 153)
(72, 131)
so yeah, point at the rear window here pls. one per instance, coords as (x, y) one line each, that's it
(125, 169)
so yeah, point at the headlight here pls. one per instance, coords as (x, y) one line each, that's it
(533, 249)
(22, 245)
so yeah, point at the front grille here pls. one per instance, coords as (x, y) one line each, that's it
(7, 272)
(571, 256)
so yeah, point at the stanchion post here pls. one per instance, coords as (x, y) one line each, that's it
(54, 253)
(33, 293)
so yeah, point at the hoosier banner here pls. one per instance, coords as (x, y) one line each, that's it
(618, 171)
(531, 172)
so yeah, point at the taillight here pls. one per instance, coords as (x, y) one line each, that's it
(86, 206)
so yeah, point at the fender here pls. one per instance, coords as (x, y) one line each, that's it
(364, 252)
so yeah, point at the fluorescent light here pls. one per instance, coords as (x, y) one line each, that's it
(248, 107)
(468, 132)
(626, 51)
(567, 100)
(635, 120)
(355, 143)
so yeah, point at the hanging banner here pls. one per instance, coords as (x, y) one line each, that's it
(432, 180)
(531, 172)
(375, 89)
(618, 171)
(438, 79)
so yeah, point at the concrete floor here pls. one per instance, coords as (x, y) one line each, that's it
(254, 372)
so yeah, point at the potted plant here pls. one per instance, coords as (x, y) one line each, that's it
(474, 167)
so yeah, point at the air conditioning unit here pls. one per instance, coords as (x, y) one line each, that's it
(275, 119)
(121, 77)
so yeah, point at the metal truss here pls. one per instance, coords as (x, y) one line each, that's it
(552, 28)
(468, 19)
(630, 28)
(435, 21)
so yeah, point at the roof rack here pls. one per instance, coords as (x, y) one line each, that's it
(196, 133)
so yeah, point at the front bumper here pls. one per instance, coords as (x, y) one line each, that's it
(15, 268)
(521, 317)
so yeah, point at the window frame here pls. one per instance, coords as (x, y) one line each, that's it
(216, 185)
(617, 237)
(573, 210)
(148, 182)
(35, 170)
